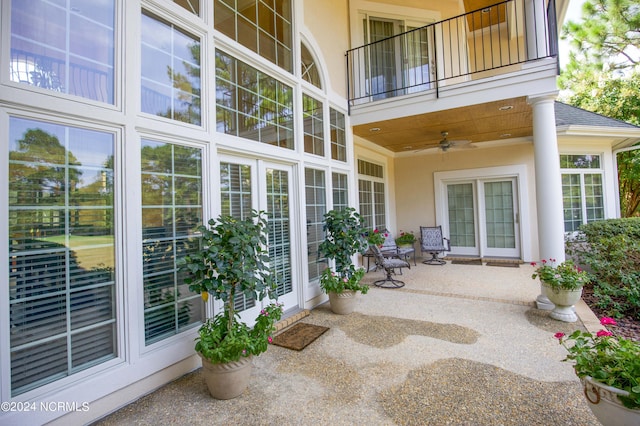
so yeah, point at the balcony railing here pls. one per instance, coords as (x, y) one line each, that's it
(486, 42)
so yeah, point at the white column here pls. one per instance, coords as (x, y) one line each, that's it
(548, 184)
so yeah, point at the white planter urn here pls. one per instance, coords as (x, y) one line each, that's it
(605, 405)
(343, 303)
(563, 301)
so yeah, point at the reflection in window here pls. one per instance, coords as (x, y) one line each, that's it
(309, 67)
(313, 121)
(251, 104)
(171, 212)
(264, 26)
(170, 71)
(61, 251)
(338, 135)
(340, 191)
(582, 190)
(316, 202)
(66, 47)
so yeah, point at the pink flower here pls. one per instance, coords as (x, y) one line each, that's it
(534, 264)
(270, 339)
(559, 335)
(544, 261)
(376, 231)
(345, 280)
(603, 333)
(608, 321)
(244, 352)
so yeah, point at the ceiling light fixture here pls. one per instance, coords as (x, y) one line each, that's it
(505, 135)
(506, 108)
(374, 129)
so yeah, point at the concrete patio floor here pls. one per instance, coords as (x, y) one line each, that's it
(458, 345)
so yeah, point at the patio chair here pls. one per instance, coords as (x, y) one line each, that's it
(390, 249)
(433, 242)
(389, 264)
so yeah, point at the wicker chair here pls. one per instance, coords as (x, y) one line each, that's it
(389, 264)
(433, 242)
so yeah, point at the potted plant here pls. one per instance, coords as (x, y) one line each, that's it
(609, 368)
(375, 237)
(405, 239)
(233, 261)
(344, 237)
(562, 284)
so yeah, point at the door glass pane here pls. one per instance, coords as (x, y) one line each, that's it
(462, 228)
(279, 230)
(381, 59)
(499, 214)
(235, 200)
(416, 51)
(316, 201)
(62, 297)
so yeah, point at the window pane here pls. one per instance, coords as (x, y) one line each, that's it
(259, 25)
(338, 136)
(62, 255)
(251, 104)
(64, 47)
(572, 202)
(316, 205)
(192, 6)
(579, 161)
(313, 125)
(340, 191)
(171, 212)
(170, 71)
(309, 67)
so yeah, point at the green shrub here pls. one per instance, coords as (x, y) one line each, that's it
(610, 251)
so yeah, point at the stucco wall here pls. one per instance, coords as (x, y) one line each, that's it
(326, 25)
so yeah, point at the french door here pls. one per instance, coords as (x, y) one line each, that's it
(483, 217)
(247, 184)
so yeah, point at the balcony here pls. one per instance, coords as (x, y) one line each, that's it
(502, 39)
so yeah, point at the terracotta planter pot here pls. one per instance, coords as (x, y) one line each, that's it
(227, 380)
(343, 303)
(605, 405)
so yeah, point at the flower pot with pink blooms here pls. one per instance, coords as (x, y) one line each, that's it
(562, 284)
(609, 369)
(232, 262)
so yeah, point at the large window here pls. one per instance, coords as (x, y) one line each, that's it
(170, 71)
(312, 118)
(61, 251)
(264, 26)
(251, 104)
(171, 211)
(316, 201)
(582, 190)
(64, 46)
(371, 194)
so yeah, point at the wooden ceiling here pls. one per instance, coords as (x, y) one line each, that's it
(493, 121)
(486, 13)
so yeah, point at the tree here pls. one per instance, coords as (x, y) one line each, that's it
(603, 76)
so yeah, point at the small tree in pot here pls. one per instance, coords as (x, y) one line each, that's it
(233, 261)
(345, 236)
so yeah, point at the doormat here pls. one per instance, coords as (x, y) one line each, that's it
(503, 264)
(299, 336)
(467, 262)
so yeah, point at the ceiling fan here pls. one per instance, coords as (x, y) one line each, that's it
(445, 144)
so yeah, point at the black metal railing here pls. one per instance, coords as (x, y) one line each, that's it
(485, 41)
